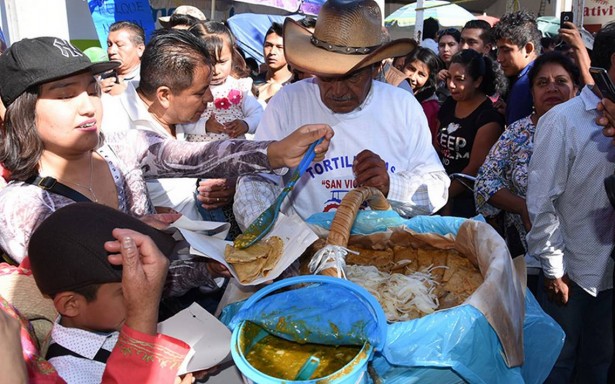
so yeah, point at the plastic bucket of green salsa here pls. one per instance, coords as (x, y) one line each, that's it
(273, 356)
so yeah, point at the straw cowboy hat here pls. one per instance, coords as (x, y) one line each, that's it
(183, 10)
(348, 36)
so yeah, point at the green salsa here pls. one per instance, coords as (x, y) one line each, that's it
(283, 359)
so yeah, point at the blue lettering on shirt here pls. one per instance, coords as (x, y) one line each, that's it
(335, 163)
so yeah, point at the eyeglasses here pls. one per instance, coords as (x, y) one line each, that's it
(448, 31)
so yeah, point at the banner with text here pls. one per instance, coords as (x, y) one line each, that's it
(106, 12)
(597, 13)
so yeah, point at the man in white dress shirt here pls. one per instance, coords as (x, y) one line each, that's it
(573, 226)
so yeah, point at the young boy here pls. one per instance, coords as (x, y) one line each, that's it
(518, 41)
(70, 263)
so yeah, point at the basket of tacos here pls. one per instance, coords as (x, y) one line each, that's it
(415, 274)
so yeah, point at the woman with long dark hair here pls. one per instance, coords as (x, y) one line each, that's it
(469, 124)
(421, 66)
(449, 40)
(51, 141)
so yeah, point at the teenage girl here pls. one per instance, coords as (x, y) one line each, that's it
(448, 46)
(421, 67)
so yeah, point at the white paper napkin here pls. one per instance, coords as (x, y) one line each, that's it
(209, 339)
(210, 228)
(295, 233)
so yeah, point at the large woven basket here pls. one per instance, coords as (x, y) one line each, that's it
(500, 297)
(346, 214)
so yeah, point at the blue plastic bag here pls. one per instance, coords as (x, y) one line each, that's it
(365, 223)
(327, 310)
(458, 345)
(368, 222)
(442, 225)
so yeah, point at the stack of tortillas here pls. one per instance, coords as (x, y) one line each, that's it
(255, 261)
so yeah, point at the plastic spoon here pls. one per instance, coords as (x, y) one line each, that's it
(308, 368)
(264, 222)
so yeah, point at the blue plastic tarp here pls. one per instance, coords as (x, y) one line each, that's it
(459, 345)
(368, 222)
(306, 7)
(456, 345)
(327, 313)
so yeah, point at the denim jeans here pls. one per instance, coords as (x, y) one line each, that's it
(218, 215)
(215, 214)
(587, 322)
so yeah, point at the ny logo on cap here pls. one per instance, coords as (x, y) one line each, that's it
(67, 48)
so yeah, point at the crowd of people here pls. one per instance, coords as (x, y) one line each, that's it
(101, 156)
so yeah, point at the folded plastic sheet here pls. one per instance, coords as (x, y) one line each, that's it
(459, 345)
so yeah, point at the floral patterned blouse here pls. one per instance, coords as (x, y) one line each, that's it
(233, 100)
(506, 167)
(133, 157)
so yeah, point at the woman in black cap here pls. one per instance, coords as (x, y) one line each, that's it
(52, 145)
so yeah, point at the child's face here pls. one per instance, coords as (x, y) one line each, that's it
(224, 65)
(107, 312)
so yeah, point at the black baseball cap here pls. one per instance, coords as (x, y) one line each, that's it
(39, 60)
(67, 251)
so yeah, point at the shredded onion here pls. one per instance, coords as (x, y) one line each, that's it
(402, 297)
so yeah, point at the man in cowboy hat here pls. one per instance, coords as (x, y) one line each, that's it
(382, 137)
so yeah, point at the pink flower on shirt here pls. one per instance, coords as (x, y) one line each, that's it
(222, 103)
(234, 96)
